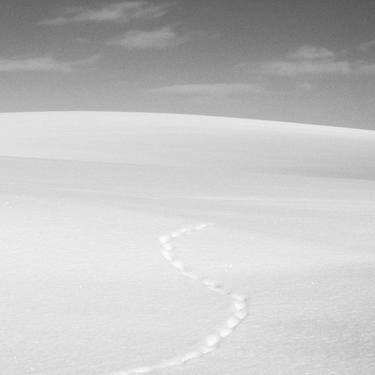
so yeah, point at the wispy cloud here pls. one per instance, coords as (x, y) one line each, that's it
(310, 60)
(311, 53)
(295, 68)
(367, 46)
(122, 12)
(209, 90)
(42, 64)
(307, 60)
(159, 38)
(365, 68)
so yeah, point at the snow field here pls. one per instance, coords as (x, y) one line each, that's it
(212, 341)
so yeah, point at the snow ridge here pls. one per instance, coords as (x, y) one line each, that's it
(212, 341)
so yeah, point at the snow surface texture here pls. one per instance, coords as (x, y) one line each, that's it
(212, 340)
(84, 198)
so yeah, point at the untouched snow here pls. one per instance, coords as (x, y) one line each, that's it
(87, 201)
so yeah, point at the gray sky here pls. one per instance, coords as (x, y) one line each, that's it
(290, 60)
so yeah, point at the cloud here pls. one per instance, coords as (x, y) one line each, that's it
(307, 60)
(42, 64)
(367, 46)
(365, 68)
(209, 90)
(313, 61)
(304, 86)
(295, 68)
(122, 12)
(127, 12)
(160, 38)
(311, 53)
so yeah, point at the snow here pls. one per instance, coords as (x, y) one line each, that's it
(152, 243)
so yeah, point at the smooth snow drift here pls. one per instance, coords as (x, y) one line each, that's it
(88, 281)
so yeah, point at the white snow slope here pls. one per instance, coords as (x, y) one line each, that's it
(101, 274)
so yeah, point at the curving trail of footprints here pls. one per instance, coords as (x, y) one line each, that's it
(213, 340)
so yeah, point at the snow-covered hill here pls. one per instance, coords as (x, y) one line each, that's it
(85, 196)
